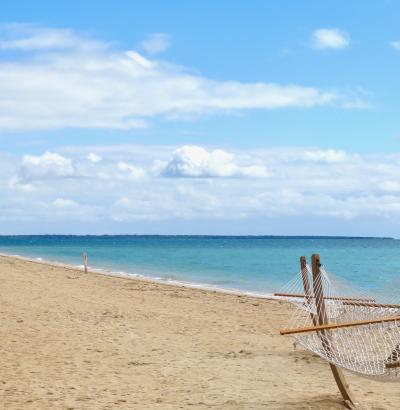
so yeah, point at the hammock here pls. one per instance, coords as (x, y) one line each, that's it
(366, 339)
(346, 327)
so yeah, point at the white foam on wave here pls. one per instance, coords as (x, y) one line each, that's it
(151, 279)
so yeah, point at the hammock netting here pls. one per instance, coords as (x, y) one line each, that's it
(371, 350)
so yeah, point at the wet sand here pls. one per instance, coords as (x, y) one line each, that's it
(71, 340)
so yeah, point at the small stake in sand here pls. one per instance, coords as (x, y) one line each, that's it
(85, 261)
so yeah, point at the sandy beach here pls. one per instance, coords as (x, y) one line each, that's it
(71, 340)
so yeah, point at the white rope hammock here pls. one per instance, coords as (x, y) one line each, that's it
(370, 348)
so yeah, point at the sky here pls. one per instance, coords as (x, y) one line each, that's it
(251, 118)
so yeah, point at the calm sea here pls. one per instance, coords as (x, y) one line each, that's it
(248, 264)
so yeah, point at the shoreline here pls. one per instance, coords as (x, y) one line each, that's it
(138, 276)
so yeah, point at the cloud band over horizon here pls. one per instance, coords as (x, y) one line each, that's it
(122, 184)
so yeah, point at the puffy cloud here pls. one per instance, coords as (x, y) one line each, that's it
(194, 161)
(156, 43)
(48, 165)
(68, 80)
(330, 38)
(39, 169)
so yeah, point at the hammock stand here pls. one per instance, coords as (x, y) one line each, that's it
(315, 305)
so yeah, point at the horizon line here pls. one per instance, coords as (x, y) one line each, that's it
(208, 236)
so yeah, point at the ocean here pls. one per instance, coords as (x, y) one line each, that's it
(249, 264)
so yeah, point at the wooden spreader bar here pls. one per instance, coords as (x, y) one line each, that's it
(345, 301)
(372, 304)
(338, 325)
(392, 365)
(299, 295)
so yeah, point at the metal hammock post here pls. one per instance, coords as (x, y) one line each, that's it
(343, 386)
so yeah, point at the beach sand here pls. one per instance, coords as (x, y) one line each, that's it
(71, 340)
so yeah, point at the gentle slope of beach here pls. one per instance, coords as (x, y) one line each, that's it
(76, 341)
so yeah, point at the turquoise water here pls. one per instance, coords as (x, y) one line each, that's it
(249, 264)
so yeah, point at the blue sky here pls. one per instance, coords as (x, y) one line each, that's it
(271, 105)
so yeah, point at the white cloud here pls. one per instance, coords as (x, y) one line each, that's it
(15, 183)
(329, 155)
(94, 157)
(38, 169)
(195, 161)
(193, 183)
(133, 171)
(48, 165)
(395, 45)
(330, 38)
(64, 203)
(66, 80)
(390, 186)
(29, 37)
(156, 43)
